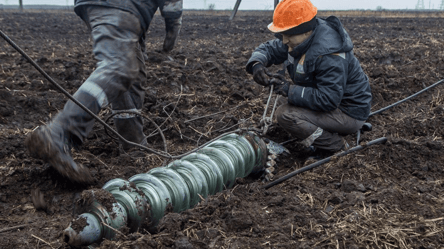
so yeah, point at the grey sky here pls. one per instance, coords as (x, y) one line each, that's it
(268, 4)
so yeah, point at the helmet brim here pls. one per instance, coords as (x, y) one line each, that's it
(275, 29)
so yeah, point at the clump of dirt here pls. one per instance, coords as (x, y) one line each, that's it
(78, 224)
(105, 198)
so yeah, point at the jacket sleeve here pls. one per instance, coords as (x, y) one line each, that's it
(172, 13)
(272, 52)
(330, 79)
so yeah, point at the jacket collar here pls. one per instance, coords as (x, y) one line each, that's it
(299, 50)
(328, 37)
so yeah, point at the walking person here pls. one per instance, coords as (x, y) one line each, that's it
(118, 29)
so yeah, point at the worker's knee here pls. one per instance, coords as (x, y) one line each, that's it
(122, 68)
(280, 113)
(287, 115)
(294, 120)
(122, 57)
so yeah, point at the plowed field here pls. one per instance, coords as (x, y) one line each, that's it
(385, 196)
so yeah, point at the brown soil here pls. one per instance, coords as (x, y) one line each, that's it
(386, 196)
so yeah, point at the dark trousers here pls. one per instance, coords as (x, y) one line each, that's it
(117, 80)
(303, 123)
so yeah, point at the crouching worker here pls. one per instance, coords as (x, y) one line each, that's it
(330, 94)
(118, 30)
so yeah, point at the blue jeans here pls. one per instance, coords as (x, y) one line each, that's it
(119, 50)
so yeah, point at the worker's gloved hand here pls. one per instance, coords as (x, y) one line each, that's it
(260, 74)
(280, 87)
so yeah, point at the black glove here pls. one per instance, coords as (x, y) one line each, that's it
(281, 87)
(260, 74)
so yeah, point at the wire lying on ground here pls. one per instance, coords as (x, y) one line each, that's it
(61, 89)
(325, 160)
(409, 97)
(107, 127)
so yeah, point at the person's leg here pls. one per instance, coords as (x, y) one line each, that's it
(172, 13)
(120, 68)
(129, 125)
(320, 129)
(116, 37)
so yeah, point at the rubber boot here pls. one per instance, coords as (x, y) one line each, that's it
(53, 144)
(172, 28)
(132, 130)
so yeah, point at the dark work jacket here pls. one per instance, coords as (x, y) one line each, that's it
(324, 69)
(143, 9)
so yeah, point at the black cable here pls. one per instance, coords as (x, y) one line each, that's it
(411, 96)
(52, 81)
(325, 160)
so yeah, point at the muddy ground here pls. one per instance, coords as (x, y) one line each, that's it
(385, 196)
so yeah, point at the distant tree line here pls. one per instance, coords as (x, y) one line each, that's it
(36, 6)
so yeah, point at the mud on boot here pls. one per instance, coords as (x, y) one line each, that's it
(319, 154)
(51, 144)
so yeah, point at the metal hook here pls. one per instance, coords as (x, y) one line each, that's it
(267, 121)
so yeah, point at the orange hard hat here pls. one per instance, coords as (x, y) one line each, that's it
(292, 13)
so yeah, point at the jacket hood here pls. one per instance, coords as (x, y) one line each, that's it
(331, 37)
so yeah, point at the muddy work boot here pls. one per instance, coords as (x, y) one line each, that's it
(132, 130)
(319, 154)
(51, 144)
